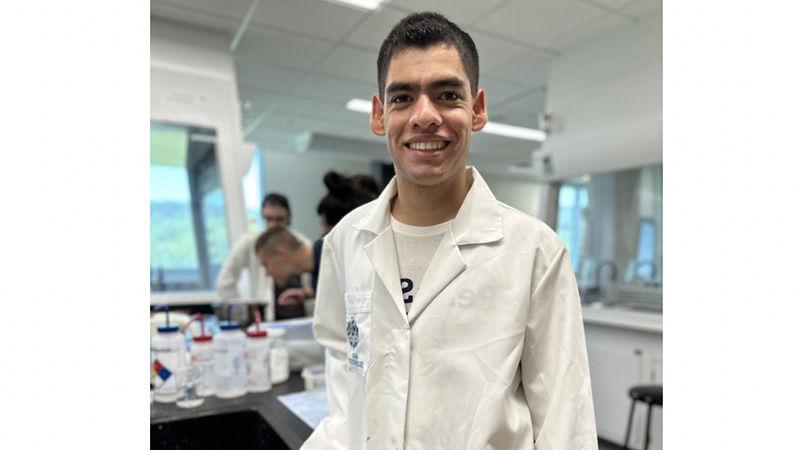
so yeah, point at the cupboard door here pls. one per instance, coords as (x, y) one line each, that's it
(614, 370)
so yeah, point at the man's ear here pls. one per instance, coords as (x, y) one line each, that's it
(376, 117)
(480, 113)
(282, 252)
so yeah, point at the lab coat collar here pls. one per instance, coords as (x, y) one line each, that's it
(478, 220)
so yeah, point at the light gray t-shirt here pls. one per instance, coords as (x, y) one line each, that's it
(415, 249)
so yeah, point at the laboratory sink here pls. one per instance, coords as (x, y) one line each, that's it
(245, 430)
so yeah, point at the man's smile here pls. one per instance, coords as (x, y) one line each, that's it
(428, 146)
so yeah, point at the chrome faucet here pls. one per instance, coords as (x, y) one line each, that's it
(595, 290)
(600, 265)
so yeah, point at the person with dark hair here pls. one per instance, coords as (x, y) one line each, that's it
(276, 212)
(449, 319)
(282, 256)
(344, 194)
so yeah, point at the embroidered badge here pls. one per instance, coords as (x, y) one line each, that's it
(352, 332)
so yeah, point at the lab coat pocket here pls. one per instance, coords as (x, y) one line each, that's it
(358, 307)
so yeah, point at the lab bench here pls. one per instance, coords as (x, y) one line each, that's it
(253, 421)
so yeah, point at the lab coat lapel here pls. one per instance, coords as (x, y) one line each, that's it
(445, 266)
(382, 252)
(478, 221)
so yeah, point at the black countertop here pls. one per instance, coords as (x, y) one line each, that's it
(289, 427)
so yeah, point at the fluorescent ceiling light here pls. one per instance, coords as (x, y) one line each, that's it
(358, 105)
(500, 129)
(370, 5)
(515, 132)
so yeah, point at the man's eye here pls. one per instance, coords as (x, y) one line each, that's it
(450, 96)
(400, 99)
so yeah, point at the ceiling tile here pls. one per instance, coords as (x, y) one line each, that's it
(313, 17)
(228, 8)
(460, 12)
(493, 51)
(531, 69)
(642, 8)
(320, 85)
(611, 4)
(588, 31)
(310, 107)
(498, 90)
(271, 46)
(539, 21)
(374, 30)
(284, 119)
(264, 76)
(198, 18)
(259, 98)
(350, 62)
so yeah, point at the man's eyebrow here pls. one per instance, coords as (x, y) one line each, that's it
(448, 82)
(397, 87)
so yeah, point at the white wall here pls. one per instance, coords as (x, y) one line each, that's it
(299, 177)
(523, 195)
(606, 98)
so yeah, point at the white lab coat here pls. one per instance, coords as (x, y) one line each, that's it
(491, 355)
(262, 286)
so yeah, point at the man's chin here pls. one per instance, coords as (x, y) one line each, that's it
(427, 176)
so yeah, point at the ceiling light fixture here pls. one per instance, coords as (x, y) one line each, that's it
(369, 5)
(500, 129)
(511, 131)
(358, 105)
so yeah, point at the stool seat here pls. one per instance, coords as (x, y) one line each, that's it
(652, 394)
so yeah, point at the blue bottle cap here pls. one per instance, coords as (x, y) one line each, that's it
(229, 325)
(167, 328)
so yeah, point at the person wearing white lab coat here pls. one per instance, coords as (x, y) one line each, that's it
(489, 352)
(276, 212)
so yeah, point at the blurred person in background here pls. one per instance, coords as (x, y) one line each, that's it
(276, 212)
(282, 254)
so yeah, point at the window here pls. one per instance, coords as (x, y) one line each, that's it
(188, 229)
(572, 203)
(253, 188)
(611, 223)
(646, 253)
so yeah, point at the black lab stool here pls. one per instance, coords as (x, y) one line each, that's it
(652, 395)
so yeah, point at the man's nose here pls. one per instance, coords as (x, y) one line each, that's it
(425, 114)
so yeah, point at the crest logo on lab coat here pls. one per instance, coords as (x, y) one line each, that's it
(352, 332)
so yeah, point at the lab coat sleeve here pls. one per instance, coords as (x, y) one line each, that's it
(329, 331)
(228, 278)
(554, 365)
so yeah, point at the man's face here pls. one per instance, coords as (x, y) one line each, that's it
(277, 265)
(428, 114)
(275, 216)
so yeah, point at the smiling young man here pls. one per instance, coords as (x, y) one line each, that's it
(450, 320)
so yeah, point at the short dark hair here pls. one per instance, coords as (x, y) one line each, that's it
(276, 199)
(344, 195)
(422, 30)
(276, 237)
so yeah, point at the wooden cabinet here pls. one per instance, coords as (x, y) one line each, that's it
(620, 358)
